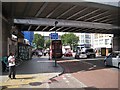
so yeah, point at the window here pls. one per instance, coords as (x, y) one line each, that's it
(82, 36)
(106, 41)
(114, 55)
(89, 50)
(82, 41)
(87, 36)
(87, 41)
(96, 36)
(101, 41)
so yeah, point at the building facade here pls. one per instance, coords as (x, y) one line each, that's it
(86, 38)
(29, 36)
(103, 41)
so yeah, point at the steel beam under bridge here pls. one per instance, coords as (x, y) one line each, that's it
(64, 23)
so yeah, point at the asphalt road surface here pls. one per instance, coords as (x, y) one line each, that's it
(86, 73)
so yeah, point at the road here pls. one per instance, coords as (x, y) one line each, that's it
(81, 74)
(86, 73)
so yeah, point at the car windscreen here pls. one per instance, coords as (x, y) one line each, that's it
(89, 50)
(82, 52)
(114, 54)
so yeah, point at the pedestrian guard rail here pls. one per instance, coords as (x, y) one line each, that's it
(4, 59)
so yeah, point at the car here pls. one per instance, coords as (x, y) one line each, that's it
(80, 55)
(39, 53)
(90, 52)
(68, 54)
(85, 53)
(113, 59)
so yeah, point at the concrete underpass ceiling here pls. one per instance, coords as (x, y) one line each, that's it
(80, 11)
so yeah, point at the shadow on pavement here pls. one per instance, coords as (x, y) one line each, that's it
(83, 65)
(37, 65)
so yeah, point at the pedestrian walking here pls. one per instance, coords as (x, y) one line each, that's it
(11, 61)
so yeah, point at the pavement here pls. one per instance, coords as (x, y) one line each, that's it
(70, 73)
(35, 73)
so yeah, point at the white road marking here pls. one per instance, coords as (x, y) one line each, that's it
(68, 75)
(88, 63)
(64, 78)
(67, 81)
(82, 84)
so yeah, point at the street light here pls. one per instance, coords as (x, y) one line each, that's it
(49, 48)
(56, 22)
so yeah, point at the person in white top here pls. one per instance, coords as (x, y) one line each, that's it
(11, 61)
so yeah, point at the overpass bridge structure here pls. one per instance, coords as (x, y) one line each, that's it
(80, 17)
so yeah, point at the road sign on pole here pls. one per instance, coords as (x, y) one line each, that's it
(54, 36)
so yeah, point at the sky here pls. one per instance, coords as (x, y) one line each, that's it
(109, 2)
(47, 33)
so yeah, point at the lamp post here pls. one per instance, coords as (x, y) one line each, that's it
(49, 48)
(56, 22)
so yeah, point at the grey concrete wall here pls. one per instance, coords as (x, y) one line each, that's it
(5, 35)
(0, 36)
(0, 29)
(116, 43)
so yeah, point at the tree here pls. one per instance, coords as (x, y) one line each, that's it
(47, 42)
(39, 40)
(70, 39)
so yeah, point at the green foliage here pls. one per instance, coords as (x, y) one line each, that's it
(47, 42)
(70, 39)
(39, 40)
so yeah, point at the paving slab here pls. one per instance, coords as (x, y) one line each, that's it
(34, 73)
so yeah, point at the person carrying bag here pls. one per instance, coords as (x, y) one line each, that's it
(11, 61)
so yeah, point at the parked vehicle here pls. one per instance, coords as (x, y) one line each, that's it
(85, 53)
(68, 54)
(39, 53)
(80, 55)
(113, 59)
(90, 52)
(45, 52)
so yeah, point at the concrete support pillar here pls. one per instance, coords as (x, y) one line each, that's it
(116, 43)
(5, 34)
(0, 37)
(0, 29)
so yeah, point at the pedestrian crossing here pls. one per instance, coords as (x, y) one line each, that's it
(66, 81)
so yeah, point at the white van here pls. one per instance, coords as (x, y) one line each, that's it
(90, 52)
(85, 53)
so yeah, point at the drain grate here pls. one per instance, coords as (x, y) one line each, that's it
(35, 83)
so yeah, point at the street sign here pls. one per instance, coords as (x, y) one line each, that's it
(54, 36)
